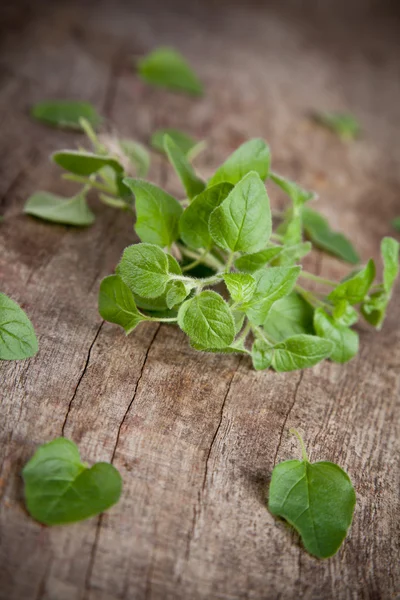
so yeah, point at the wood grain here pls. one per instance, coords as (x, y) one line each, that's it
(195, 436)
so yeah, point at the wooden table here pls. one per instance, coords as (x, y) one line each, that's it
(195, 436)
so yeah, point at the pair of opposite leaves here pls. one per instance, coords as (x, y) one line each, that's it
(317, 499)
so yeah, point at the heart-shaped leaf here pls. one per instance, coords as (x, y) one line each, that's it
(17, 336)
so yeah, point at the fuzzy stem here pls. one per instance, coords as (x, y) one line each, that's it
(303, 448)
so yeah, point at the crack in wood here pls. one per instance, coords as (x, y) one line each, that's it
(288, 414)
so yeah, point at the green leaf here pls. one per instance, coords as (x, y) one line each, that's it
(193, 224)
(390, 257)
(272, 284)
(193, 185)
(344, 313)
(185, 142)
(138, 156)
(289, 316)
(167, 68)
(60, 489)
(207, 320)
(177, 292)
(157, 213)
(146, 269)
(84, 163)
(117, 304)
(396, 223)
(317, 499)
(249, 263)
(297, 194)
(291, 254)
(374, 308)
(17, 336)
(299, 352)
(345, 340)
(68, 211)
(241, 286)
(322, 236)
(344, 125)
(242, 222)
(253, 155)
(261, 355)
(66, 113)
(356, 287)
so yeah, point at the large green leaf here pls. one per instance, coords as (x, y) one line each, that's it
(289, 316)
(68, 211)
(300, 352)
(84, 163)
(17, 336)
(117, 304)
(66, 113)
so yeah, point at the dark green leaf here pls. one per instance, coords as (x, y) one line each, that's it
(249, 263)
(167, 68)
(68, 211)
(322, 236)
(85, 163)
(289, 316)
(66, 113)
(345, 340)
(193, 185)
(17, 336)
(117, 304)
(253, 155)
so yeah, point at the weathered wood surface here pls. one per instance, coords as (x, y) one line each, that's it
(194, 436)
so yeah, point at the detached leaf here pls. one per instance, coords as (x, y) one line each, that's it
(193, 185)
(261, 355)
(317, 499)
(297, 194)
(193, 224)
(243, 221)
(253, 155)
(185, 142)
(344, 125)
(272, 284)
(66, 113)
(68, 211)
(85, 163)
(17, 336)
(249, 263)
(300, 352)
(241, 286)
(345, 340)
(289, 316)
(167, 68)
(322, 236)
(117, 304)
(390, 257)
(157, 213)
(146, 269)
(138, 156)
(355, 288)
(60, 489)
(207, 320)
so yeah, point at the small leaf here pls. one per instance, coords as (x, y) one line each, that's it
(177, 292)
(167, 68)
(390, 257)
(66, 113)
(138, 156)
(261, 355)
(242, 222)
(253, 155)
(322, 236)
(249, 263)
(207, 320)
(157, 213)
(317, 499)
(344, 313)
(289, 316)
(345, 340)
(85, 163)
(272, 284)
(60, 489)
(117, 304)
(193, 224)
(299, 352)
(355, 288)
(68, 211)
(373, 309)
(185, 142)
(241, 286)
(146, 269)
(396, 223)
(193, 185)
(17, 336)
(297, 194)
(344, 125)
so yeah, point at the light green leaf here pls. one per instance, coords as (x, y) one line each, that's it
(390, 257)
(249, 263)
(297, 194)
(344, 125)
(317, 499)
(146, 269)
(84, 163)
(193, 185)
(261, 355)
(242, 222)
(345, 340)
(322, 236)
(177, 292)
(17, 336)
(60, 489)
(273, 283)
(291, 254)
(241, 286)
(207, 320)
(117, 304)
(138, 156)
(68, 211)
(253, 155)
(289, 316)
(193, 224)
(299, 352)
(157, 213)
(344, 313)
(66, 113)
(167, 68)
(356, 287)
(185, 142)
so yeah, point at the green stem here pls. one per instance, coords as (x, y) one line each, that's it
(210, 261)
(276, 237)
(87, 181)
(303, 448)
(261, 335)
(162, 319)
(318, 279)
(311, 298)
(229, 262)
(197, 261)
(245, 332)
